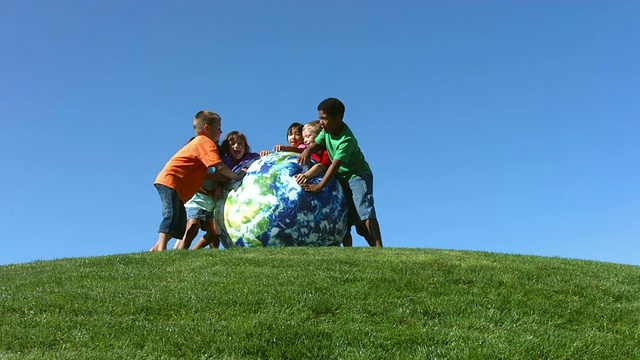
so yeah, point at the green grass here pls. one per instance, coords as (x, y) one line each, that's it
(319, 303)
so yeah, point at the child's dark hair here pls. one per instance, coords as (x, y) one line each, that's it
(332, 107)
(224, 148)
(295, 125)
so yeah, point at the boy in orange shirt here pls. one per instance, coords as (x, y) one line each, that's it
(184, 173)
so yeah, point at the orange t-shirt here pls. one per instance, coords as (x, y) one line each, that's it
(186, 170)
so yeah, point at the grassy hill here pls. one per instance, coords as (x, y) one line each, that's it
(319, 303)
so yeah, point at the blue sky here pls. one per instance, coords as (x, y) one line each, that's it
(502, 126)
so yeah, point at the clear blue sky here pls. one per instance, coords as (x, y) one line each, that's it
(502, 126)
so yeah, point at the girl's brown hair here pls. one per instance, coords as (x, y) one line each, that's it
(224, 148)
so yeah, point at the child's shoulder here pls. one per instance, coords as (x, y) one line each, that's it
(346, 129)
(200, 140)
(202, 143)
(344, 134)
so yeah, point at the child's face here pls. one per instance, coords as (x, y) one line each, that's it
(309, 137)
(236, 148)
(294, 137)
(330, 124)
(213, 131)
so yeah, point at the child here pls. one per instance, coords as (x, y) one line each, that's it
(294, 136)
(200, 213)
(184, 173)
(197, 209)
(309, 133)
(353, 172)
(236, 153)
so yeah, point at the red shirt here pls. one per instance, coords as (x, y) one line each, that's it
(322, 158)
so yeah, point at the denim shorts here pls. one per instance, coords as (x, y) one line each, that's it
(174, 217)
(359, 194)
(199, 213)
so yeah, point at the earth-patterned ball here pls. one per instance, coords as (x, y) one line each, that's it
(268, 208)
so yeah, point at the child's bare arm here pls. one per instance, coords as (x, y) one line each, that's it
(331, 171)
(223, 170)
(287, 148)
(315, 170)
(217, 177)
(303, 158)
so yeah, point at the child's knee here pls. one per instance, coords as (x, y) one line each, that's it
(193, 224)
(209, 227)
(361, 229)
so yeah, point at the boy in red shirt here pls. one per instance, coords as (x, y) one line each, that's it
(184, 173)
(309, 133)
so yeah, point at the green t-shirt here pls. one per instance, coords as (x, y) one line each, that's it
(344, 147)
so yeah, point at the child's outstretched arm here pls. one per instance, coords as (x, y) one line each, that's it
(223, 170)
(287, 148)
(315, 170)
(303, 158)
(331, 171)
(217, 177)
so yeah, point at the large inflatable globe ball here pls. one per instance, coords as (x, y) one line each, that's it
(268, 208)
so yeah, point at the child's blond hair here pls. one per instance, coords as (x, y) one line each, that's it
(313, 126)
(203, 118)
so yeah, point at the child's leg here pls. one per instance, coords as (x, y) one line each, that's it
(211, 232)
(370, 230)
(347, 240)
(211, 237)
(361, 188)
(208, 239)
(173, 217)
(163, 239)
(201, 244)
(352, 214)
(193, 225)
(214, 240)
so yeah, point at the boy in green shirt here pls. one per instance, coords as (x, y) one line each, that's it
(349, 165)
